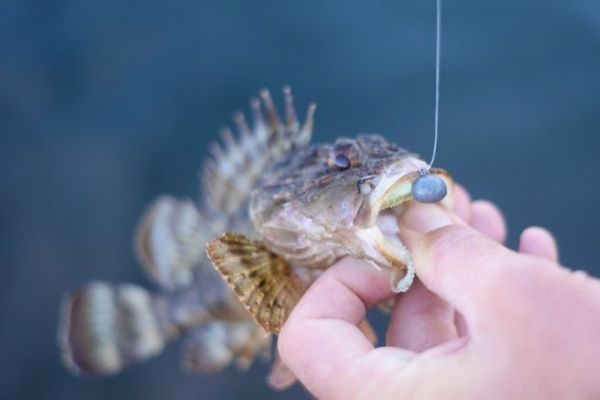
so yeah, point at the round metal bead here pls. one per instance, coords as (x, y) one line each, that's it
(429, 189)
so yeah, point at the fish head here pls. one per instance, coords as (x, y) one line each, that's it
(341, 199)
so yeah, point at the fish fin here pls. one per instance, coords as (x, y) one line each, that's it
(387, 306)
(170, 241)
(104, 328)
(263, 281)
(280, 376)
(367, 329)
(231, 174)
(213, 347)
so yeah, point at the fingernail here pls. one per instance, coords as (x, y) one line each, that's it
(426, 218)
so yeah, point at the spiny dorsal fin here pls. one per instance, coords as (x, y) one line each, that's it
(232, 173)
(263, 281)
(170, 241)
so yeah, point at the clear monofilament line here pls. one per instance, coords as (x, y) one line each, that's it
(438, 48)
(431, 188)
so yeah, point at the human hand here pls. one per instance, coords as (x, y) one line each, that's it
(482, 322)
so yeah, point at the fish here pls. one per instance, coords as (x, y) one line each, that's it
(276, 211)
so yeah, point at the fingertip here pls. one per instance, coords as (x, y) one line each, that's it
(462, 202)
(320, 352)
(540, 242)
(344, 291)
(487, 218)
(453, 261)
(321, 339)
(427, 217)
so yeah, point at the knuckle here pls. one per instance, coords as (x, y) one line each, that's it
(454, 243)
(494, 288)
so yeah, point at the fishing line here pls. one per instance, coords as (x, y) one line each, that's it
(430, 188)
(438, 51)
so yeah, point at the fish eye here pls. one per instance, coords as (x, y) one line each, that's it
(341, 162)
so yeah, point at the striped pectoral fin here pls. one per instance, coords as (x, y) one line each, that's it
(263, 281)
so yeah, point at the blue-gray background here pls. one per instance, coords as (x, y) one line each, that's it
(106, 104)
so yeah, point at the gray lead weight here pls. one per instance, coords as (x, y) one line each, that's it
(429, 189)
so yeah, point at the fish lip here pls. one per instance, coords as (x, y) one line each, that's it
(379, 243)
(372, 204)
(385, 251)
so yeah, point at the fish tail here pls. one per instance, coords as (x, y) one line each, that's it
(104, 327)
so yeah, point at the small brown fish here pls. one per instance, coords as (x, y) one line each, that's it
(279, 210)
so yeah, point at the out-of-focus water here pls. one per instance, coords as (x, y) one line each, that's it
(105, 105)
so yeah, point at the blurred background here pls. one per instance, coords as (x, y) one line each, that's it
(105, 105)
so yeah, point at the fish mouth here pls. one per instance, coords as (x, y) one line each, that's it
(391, 193)
(377, 221)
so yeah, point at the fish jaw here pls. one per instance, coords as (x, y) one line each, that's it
(376, 223)
(389, 252)
(393, 188)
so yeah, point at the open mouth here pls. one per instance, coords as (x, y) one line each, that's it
(377, 223)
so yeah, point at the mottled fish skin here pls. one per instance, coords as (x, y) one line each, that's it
(292, 204)
(304, 198)
(311, 205)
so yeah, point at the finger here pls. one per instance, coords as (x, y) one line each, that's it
(540, 242)
(455, 260)
(488, 219)
(462, 202)
(427, 217)
(461, 325)
(321, 342)
(421, 320)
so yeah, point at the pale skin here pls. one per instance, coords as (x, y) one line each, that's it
(483, 322)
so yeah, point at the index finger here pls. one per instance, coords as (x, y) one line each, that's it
(458, 263)
(321, 342)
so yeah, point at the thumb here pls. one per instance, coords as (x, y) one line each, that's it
(453, 260)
